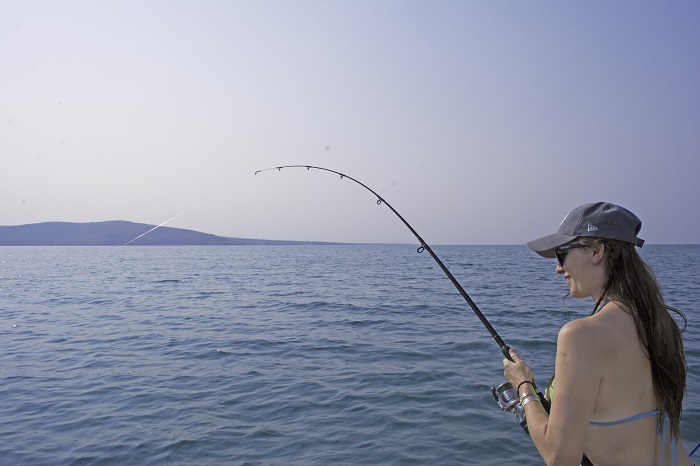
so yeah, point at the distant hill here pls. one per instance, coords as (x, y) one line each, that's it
(118, 233)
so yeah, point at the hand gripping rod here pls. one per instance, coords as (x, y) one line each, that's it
(505, 349)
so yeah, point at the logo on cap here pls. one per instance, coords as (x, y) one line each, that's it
(592, 227)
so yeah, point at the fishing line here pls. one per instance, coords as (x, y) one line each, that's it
(505, 349)
(144, 234)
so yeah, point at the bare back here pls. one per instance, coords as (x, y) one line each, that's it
(625, 390)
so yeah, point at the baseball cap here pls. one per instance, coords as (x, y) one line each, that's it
(596, 220)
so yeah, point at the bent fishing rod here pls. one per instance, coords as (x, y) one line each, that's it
(506, 395)
(423, 247)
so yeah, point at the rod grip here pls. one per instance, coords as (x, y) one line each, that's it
(506, 352)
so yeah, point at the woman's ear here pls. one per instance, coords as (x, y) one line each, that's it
(598, 253)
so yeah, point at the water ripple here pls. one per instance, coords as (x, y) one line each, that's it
(338, 355)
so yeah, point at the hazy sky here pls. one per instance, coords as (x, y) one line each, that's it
(481, 122)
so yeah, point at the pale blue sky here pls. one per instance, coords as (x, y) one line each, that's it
(481, 122)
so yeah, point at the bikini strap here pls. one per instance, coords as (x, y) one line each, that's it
(622, 421)
(602, 305)
(663, 441)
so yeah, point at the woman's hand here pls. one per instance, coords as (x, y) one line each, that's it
(517, 371)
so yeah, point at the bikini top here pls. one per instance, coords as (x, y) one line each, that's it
(550, 393)
(627, 419)
(663, 427)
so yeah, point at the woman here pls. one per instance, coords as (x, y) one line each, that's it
(620, 372)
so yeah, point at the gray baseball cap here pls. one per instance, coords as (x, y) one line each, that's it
(597, 220)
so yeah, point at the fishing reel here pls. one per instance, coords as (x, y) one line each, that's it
(508, 400)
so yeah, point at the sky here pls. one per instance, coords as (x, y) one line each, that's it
(480, 122)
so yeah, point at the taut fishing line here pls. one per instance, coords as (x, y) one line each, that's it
(506, 395)
(144, 234)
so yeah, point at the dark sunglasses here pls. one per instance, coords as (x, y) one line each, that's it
(562, 251)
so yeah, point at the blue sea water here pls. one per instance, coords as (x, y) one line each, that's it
(308, 355)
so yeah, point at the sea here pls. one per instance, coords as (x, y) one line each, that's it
(285, 355)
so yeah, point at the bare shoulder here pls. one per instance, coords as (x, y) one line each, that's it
(591, 334)
(598, 334)
(580, 331)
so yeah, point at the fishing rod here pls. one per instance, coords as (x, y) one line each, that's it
(506, 395)
(423, 247)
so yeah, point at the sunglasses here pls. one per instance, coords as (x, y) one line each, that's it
(562, 251)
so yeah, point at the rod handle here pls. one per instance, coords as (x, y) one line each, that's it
(506, 352)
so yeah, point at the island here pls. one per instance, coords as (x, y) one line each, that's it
(120, 233)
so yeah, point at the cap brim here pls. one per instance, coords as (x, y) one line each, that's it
(545, 246)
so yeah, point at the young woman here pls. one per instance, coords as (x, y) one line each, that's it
(620, 372)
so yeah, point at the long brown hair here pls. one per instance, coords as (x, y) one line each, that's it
(632, 282)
